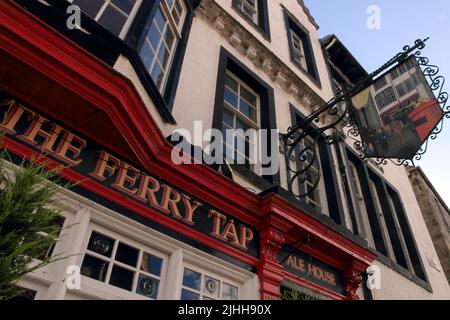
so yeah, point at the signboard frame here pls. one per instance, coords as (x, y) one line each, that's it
(422, 78)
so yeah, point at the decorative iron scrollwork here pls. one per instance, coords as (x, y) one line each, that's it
(301, 157)
(437, 83)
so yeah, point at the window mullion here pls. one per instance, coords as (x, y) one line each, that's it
(170, 19)
(111, 261)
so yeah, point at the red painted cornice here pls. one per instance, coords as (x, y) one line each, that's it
(58, 68)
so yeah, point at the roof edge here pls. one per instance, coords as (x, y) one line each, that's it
(308, 13)
(430, 185)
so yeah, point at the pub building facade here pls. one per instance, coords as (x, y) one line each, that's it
(102, 102)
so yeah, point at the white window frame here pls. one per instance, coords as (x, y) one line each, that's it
(205, 272)
(249, 6)
(381, 99)
(299, 51)
(361, 203)
(238, 115)
(104, 285)
(406, 87)
(130, 17)
(380, 83)
(322, 203)
(176, 29)
(316, 167)
(82, 215)
(380, 213)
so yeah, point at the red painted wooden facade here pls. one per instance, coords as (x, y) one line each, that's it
(48, 71)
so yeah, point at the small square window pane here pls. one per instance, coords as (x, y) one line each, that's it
(176, 16)
(211, 287)
(101, 244)
(151, 264)
(169, 38)
(248, 110)
(311, 176)
(240, 158)
(113, 20)
(154, 36)
(160, 20)
(90, 7)
(229, 292)
(298, 57)
(192, 279)
(231, 98)
(163, 56)
(125, 5)
(169, 3)
(247, 95)
(121, 278)
(146, 55)
(177, 12)
(157, 75)
(127, 254)
(229, 153)
(241, 125)
(148, 287)
(228, 118)
(189, 295)
(249, 11)
(94, 268)
(231, 83)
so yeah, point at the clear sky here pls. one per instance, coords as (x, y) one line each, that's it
(402, 21)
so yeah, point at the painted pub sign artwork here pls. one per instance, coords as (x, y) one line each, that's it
(397, 112)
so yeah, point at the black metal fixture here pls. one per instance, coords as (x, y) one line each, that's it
(296, 245)
(301, 156)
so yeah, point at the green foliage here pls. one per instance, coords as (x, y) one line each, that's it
(27, 211)
(296, 295)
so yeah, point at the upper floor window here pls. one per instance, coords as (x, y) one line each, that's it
(406, 86)
(240, 111)
(383, 217)
(114, 15)
(300, 47)
(360, 203)
(161, 40)
(254, 11)
(117, 263)
(298, 50)
(385, 98)
(199, 285)
(249, 8)
(380, 83)
(402, 69)
(313, 154)
(312, 174)
(244, 101)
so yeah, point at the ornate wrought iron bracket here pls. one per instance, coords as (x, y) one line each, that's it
(300, 156)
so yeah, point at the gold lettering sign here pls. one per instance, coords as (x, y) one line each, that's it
(304, 266)
(38, 132)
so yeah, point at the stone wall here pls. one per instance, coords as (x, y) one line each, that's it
(436, 215)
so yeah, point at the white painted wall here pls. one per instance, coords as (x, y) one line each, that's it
(195, 102)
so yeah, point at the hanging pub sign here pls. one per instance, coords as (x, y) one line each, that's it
(397, 112)
(37, 132)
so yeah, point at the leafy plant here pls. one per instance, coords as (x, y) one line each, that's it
(295, 295)
(28, 221)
